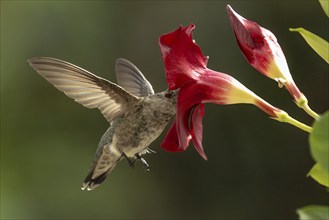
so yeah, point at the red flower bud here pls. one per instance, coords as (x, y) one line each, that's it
(263, 52)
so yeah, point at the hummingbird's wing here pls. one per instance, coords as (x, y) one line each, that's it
(132, 79)
(84, 87)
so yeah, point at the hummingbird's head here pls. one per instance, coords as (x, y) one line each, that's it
(171, 94)
(165, 101)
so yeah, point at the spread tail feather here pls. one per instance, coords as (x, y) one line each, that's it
(91, 182)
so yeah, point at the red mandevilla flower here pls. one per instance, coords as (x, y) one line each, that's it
(186, 69)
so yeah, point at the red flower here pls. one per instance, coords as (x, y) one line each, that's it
(186, 69)
(263, 52)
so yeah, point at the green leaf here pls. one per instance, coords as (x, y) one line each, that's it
(313, 212)
(319, 174)
(325, 6)
(319, 45)
(319, 141)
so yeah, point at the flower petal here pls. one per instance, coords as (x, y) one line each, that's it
(171, 142)
(213, 87)
(182, 57)
(196, 129)
(190, 95)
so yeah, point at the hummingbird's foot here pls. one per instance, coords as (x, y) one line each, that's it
(150, 151)
(146, 165)
(131, 163)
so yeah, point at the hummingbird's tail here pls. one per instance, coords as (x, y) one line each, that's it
(91, 183)
(98, 174)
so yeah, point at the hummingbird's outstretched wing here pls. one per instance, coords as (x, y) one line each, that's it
(84, 87)
(132, 79)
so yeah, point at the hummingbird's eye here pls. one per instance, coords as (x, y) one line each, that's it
(168, 95)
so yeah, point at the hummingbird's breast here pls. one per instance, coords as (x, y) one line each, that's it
(142, 124)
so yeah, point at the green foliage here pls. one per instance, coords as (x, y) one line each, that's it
(319, 174)
(325, 6)
(319, 137)
(320, 171)
(320, 150)
(319, 141)
(313, 212)
(319, 45)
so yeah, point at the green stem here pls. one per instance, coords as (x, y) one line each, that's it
(280, 115)
(300, 99)
(284, 117)
(309, 111)
(302, 102)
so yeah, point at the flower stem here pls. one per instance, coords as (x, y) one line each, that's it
(300, 99)
(302, 102)
(282, 116)
(309, 111)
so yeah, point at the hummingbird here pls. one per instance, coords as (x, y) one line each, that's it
(136, 114)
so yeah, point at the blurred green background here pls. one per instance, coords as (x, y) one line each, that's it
(257, 167)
